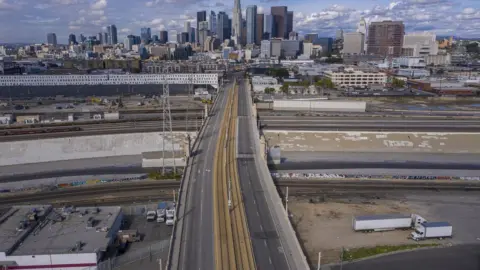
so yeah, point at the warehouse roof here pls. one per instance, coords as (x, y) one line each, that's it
(386, 216)
(65, 230)
(436, 224)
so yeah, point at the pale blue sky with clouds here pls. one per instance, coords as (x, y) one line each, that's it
(31, 20)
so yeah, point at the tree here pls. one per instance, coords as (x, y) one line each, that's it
(269, 90)
(284, 88)
(398, 83)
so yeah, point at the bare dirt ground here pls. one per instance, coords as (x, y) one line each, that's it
(326, 226)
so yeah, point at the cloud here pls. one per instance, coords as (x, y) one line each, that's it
(125, 30)
(99, 4)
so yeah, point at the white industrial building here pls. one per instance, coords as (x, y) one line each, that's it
(356, 78)
(265, 49)
(259, 83)
(157, 159)
(109, 79)
(421, 44)
(319, 105)
(438, 60)
(411, 62)
(41, 237)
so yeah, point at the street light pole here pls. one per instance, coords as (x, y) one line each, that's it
(286, 201)
(319, 263)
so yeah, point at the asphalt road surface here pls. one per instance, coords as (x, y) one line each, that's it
(267, 247)
(465, 257)
(196, 244)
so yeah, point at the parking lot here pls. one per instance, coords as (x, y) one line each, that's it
(324, 222)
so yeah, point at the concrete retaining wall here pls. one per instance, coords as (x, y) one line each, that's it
(45, 150)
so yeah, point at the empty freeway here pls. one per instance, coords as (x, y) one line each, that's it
(210, 232)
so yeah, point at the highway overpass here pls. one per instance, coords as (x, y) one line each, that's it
(231, 136)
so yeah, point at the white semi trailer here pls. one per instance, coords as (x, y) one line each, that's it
(382, 222)
(430, 230)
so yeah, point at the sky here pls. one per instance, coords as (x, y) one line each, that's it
(30, 20)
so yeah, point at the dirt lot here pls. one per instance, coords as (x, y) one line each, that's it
(326, 226)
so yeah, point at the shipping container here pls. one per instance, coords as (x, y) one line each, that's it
(382, 222)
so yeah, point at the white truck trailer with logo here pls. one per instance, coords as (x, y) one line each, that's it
(430, 230)
(387, 222)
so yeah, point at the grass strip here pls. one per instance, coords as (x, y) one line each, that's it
(364, 252)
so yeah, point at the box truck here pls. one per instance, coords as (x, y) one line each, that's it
(382, 222)
(429, 230)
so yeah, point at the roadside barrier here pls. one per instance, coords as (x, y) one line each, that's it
(277, 175)
(73, 184)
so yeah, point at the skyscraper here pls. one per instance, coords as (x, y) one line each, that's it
(311, 37)
(202, 32)
(223, 26)
(201, 17)
(212, 23)
(386, 38)
(112, 34)
(268, 25)
(72, 39)
(186, 26)
(82, 38)
(146, 35)
(362, 27)
(163, 36)
(52, 39)
(105, 38)
(259, 24)
(279, 22)
(128, 42)
(289, 22)
(251, 24)
(100, 38)
(237, 22)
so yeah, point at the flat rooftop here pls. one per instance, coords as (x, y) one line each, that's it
(57, 231)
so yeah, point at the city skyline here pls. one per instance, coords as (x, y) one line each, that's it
(33, 20)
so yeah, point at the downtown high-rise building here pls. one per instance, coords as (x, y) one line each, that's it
(128, 42)
(163, 37)
(112, 34)
(105, 38)
(52, 39)
(289, 22)
(279, 22)
(251, 24)
(146, 35)
(186, 26)
(201, 17)
(223, 26)
(237, 23)
(386, 38)
(100, 37)
(259, 24)
(203, 32)
(268, 26)
(212, 22)
(72, 39)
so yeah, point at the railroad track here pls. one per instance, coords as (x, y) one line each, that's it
(303, 186)
(127, 127)
(76, 192)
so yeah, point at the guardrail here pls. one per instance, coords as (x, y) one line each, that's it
(292, 249)
(328, 176)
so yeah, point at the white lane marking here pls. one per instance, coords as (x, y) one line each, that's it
(269, 259)
(254, 201)
(265, 242)
(261, 227)
(258, 214)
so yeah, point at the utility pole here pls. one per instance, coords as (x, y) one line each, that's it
(167, 122)
(319, 262)
(286, 201)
